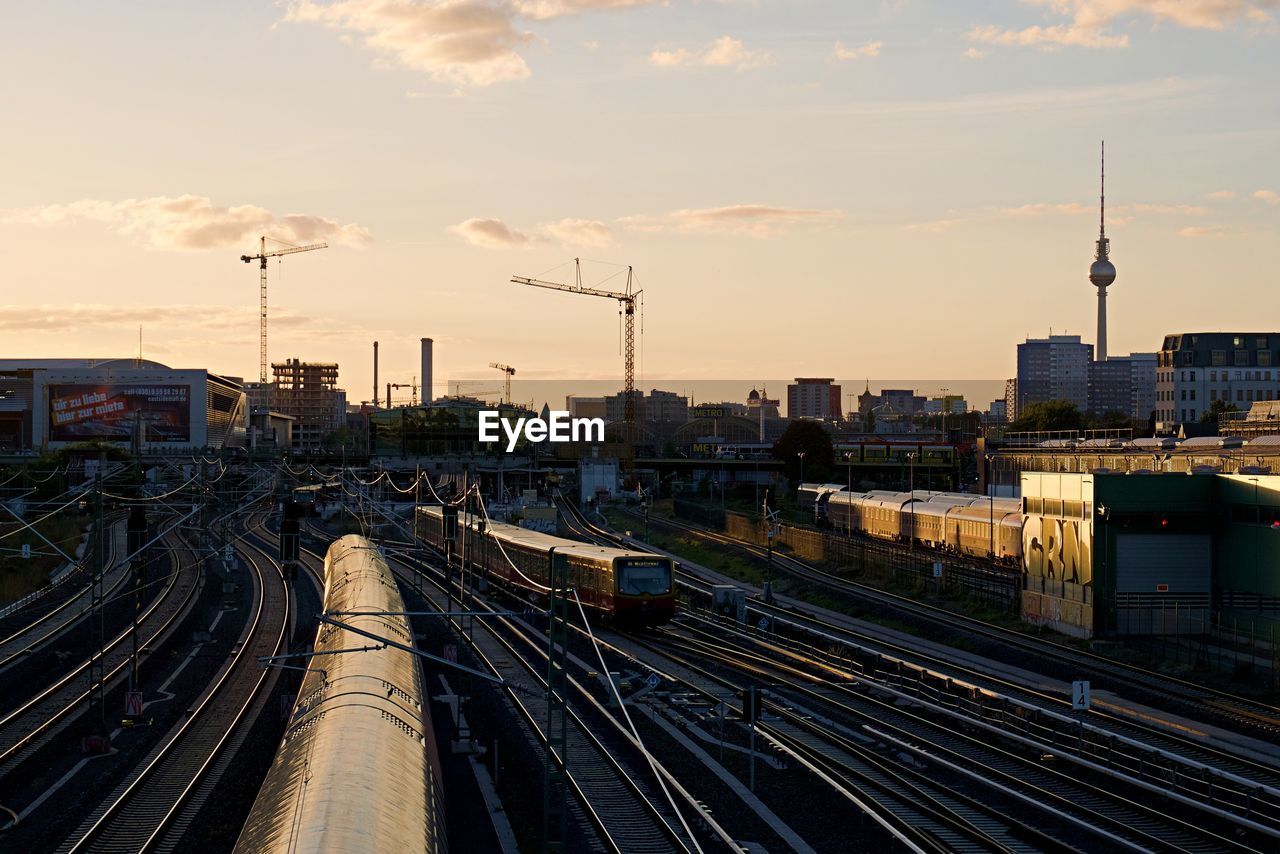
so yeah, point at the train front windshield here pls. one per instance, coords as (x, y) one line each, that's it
(644, 576)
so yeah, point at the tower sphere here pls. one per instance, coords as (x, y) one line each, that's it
(1102, 272)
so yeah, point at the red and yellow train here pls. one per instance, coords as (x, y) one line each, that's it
(630, 587)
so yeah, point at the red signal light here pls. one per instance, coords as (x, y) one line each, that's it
(1164, 522)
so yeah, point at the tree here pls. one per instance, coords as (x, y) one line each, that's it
(811, 439)
(1215, 409)
(1048, 415)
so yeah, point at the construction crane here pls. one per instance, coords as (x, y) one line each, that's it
(477, 393)
(510, 372)
(262, 257)
(627, 305)
(413, 386)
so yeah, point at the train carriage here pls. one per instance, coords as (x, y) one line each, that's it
(970, 529)
(924, 520)
(630, 586)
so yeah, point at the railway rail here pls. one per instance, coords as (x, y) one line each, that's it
(841, 718)
(614, 795)
(1178, 767)
(1245, 715)
(32, 631)
(145, 812)
(28, 727)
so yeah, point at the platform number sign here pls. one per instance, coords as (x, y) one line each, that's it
(132, 704)
(937, 569)
(228, 554)
(26, 550)
(1080, 695)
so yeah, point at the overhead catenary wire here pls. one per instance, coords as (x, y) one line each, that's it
(653, 764)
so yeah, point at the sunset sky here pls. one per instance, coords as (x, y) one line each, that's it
(803, 187)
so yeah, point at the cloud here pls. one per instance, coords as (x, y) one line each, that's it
(580, 232)
(496, 234)
(1047, 37)
(1040, 208)
(1090, 20)
(843, 53)
(1222, 194)
(464, 42)
(1115, 213)
(755, 220)
(936, 226)
(541, 10)
(168, 326)
(975, 53)
(193, 222)
(1203, 231)
(721, 53)
(490, 233)
(1271, 197)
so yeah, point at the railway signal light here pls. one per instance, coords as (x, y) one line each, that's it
(750, 704)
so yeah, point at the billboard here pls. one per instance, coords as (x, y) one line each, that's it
(111, 411)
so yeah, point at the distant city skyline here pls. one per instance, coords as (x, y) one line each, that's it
(892, 188)
(554, 391)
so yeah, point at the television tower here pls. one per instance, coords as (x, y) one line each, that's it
(1102, 272)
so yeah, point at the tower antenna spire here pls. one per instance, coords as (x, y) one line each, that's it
(1102, 272)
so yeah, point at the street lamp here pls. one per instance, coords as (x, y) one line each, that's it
(991, 504)
(848, 469)
(911, 480)
(1257, 526)
(800, 454)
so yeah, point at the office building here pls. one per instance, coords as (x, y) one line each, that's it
(1124, 384)
(1053, 368)
(1195, 369)
(814, 397)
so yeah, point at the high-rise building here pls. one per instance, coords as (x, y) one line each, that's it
(1053, 368)
(903, 401)
(308, 391)
(1102, 272)
(1193, 370)
(1010, 399)
(814, 397)
(666, 406)
(997, 413)
(1124, 384)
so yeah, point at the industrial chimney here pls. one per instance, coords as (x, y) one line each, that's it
(426, 372)
(375, 374)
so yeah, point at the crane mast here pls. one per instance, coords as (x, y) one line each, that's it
(262, 257)
(627, 304)
(509, 372)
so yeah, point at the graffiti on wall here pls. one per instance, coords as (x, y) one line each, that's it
(1060, 549)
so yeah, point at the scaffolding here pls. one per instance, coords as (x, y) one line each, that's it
(308, 392)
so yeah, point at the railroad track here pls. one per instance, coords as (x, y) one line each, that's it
(617, 796)
(65, 612)
(1245, 715)
(1180, 766)
(144, 812)
(27, 728)
(1047, 796)
(1112, 721)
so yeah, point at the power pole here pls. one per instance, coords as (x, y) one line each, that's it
(554, 813)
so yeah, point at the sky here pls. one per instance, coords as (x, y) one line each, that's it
(802, 187)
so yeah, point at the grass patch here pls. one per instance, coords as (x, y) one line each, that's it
(19, 576)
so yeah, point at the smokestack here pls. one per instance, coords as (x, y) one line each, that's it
(375, 374)
(426, 372)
